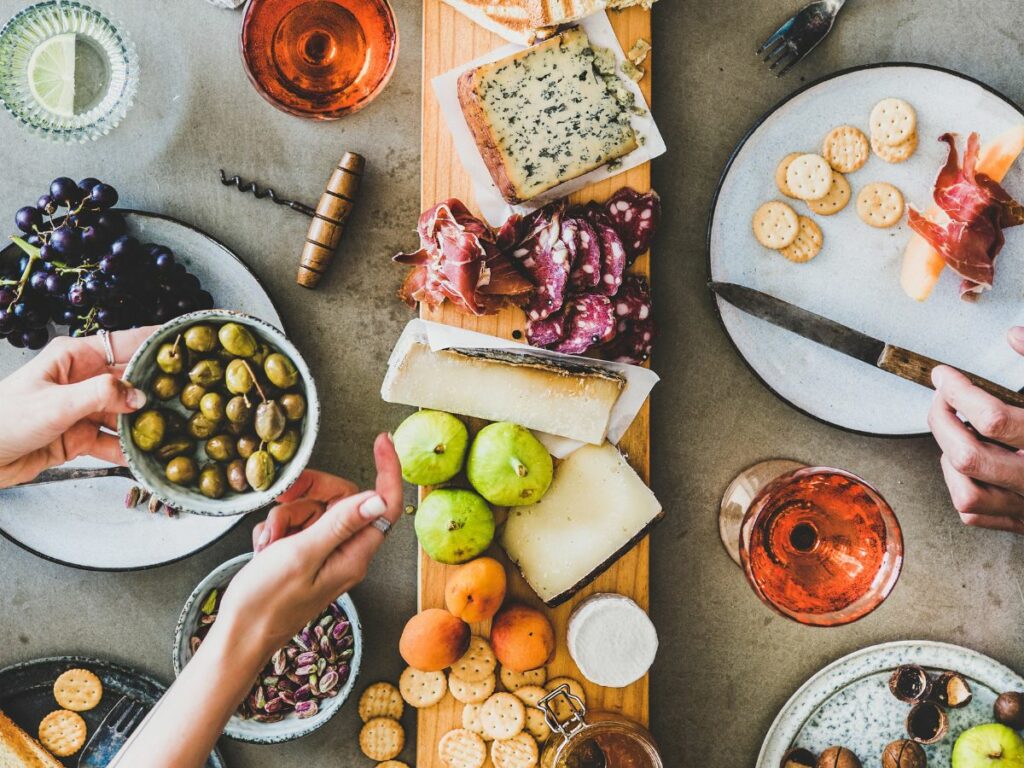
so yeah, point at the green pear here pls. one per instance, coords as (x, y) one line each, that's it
(431, 447)
(988, 746)
(454, 525)
(508, 466)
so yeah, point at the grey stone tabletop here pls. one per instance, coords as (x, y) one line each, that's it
(726, 663)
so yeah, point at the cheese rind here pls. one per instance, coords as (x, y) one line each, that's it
(612, 640)
(595, 511)
(570, 401)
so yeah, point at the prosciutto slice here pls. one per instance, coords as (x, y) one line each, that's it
(979, 209)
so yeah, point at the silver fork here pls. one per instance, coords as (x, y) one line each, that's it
(120, 722)
(799, 35)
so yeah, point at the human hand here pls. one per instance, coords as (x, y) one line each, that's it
(53, 407)
(985, 480)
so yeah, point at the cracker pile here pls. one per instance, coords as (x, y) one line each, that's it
(820, 181)
(63, 731)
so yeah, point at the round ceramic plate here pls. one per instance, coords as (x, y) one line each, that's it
(856, 277)
(84, 523)
(849, 703)
(26, 693)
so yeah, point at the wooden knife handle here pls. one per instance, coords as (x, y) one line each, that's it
(918, 368)
(328, 224)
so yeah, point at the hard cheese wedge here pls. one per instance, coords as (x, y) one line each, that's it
(573, 401)
(596, 509)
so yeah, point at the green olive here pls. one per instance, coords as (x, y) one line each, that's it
(247, 445)
(237, 428)
(207, 372)
(261, 354)
(212, 406)
(283, 449)
(171, 358)
(212, 482)
(238, 377)
(280, 371)
(236, 476)
(201, 427)
(201, 338)
(175, 423)
(294, 406)
(259, 470)
(270, 420)
(191, 395)
(165, 386)
(182, 470)
(148, 430)
(238, 410)
(178, 446)
(237, 339)
(221, 448)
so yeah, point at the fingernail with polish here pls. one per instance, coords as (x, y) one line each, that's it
(373, 508)
(135, 398)
(1017, 334)
(263, 539)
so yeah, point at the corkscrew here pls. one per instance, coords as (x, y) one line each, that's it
(328, 217)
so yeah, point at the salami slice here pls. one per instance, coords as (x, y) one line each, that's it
(546, 332)
(586, 273)
(591, 321)
(633, 301)
(613, 252)
(635, 217)
(633, 342)
(545, 258)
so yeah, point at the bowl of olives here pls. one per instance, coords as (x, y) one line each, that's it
(231, 418)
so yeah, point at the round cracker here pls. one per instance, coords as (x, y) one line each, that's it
(837, 198)
(893, 121)
(471, 719)
(513, 680)
(899, 153)
(462, 749)
(471, 691)
(382, 739)
(810, 177)
(846, 149)
(380, 700)
(518, 752)
(535, 723)
(422, 689)
(780, 174)
(78, 690)
(775, 225)
(807, 244)
(880, 205)
(560, 704)
(503, 716)
(62, 732)
(477, 662)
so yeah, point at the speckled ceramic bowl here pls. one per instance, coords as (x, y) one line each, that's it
(292, 727)
(150, 473)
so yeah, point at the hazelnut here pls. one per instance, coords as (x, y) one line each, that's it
(910, 683)
(927, 722)
(951, 689)
(798, 758)
(838, 757)
(1009, 709)
(903, 753)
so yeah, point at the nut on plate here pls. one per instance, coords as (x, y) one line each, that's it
(903, 753)
(910, 683)
(798, 757)
(1008, 709)
(927, 722)
(951, 689)
(838, 757)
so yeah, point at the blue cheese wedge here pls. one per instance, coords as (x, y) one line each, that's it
(595, 511)
(546, 115)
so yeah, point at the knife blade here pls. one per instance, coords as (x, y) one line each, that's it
(901, 362)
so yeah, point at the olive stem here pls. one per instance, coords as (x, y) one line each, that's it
(174, 349)
(254, 382)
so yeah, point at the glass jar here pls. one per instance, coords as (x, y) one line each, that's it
(585, 739)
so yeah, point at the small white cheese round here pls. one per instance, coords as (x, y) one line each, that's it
(612, 640)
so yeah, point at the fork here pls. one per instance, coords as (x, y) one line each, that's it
(110, 737)
(799, 35)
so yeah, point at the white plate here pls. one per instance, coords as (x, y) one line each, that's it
(848, 702)
(855, 279)
(84, 523)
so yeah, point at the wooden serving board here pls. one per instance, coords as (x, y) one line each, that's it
(450, 39)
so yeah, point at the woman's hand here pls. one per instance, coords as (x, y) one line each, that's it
(53, 407)
(985, 480)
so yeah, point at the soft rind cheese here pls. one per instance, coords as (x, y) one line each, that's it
(572, 401)
(612, 640)
(596, 509)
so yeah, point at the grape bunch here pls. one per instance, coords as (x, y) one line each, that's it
(81, 269)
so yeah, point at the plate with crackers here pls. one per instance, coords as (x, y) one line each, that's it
(50, 708)
(813, 208)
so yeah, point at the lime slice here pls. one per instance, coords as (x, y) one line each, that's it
(51, 74)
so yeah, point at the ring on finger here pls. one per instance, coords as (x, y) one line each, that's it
(382, 525)
(108, 347)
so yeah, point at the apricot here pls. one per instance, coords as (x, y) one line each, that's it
(433, 640)
(476, 590)
(522, 638)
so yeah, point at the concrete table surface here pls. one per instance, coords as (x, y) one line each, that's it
(726, 662)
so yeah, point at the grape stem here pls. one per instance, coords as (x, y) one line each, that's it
(33, 257)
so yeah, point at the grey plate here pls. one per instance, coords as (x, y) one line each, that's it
(849, 703)
(85, 524)
(26, 693)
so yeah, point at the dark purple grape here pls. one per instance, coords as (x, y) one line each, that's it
(46, 253)
(65, 191)
(37, 280)
(92, 239)
(111, 223)
(93, 285)
(103, 196)
(65, 241)
(68, 317)
(19, 310)
(110, 265)
(184, 304)
(204, 300)
(107, 318)
(7, 321)
(83, 219)
(47, 204)
(27, 219)
(7, 295)
(189, 283)
(22, 264)
(37, 316)
(34, 240)
(164, 262)
(54, 285)
(16, 340)
(46, 266)
(87, 184)
(126, 246)
(178, 271)
(35, 338)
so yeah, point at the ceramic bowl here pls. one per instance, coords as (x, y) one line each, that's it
(150, 473)
(292, 726)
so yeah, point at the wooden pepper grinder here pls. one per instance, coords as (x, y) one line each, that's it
(329, 220)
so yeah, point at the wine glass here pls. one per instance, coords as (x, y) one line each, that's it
(818, 545)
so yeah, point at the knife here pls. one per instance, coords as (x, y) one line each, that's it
(904, 363)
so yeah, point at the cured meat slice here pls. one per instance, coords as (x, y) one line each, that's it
(591, 321)
(633, 342)
(546, 332)
(586, 273)
(633, 302)
(636, 218)
(544, 256)
(613, 252)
